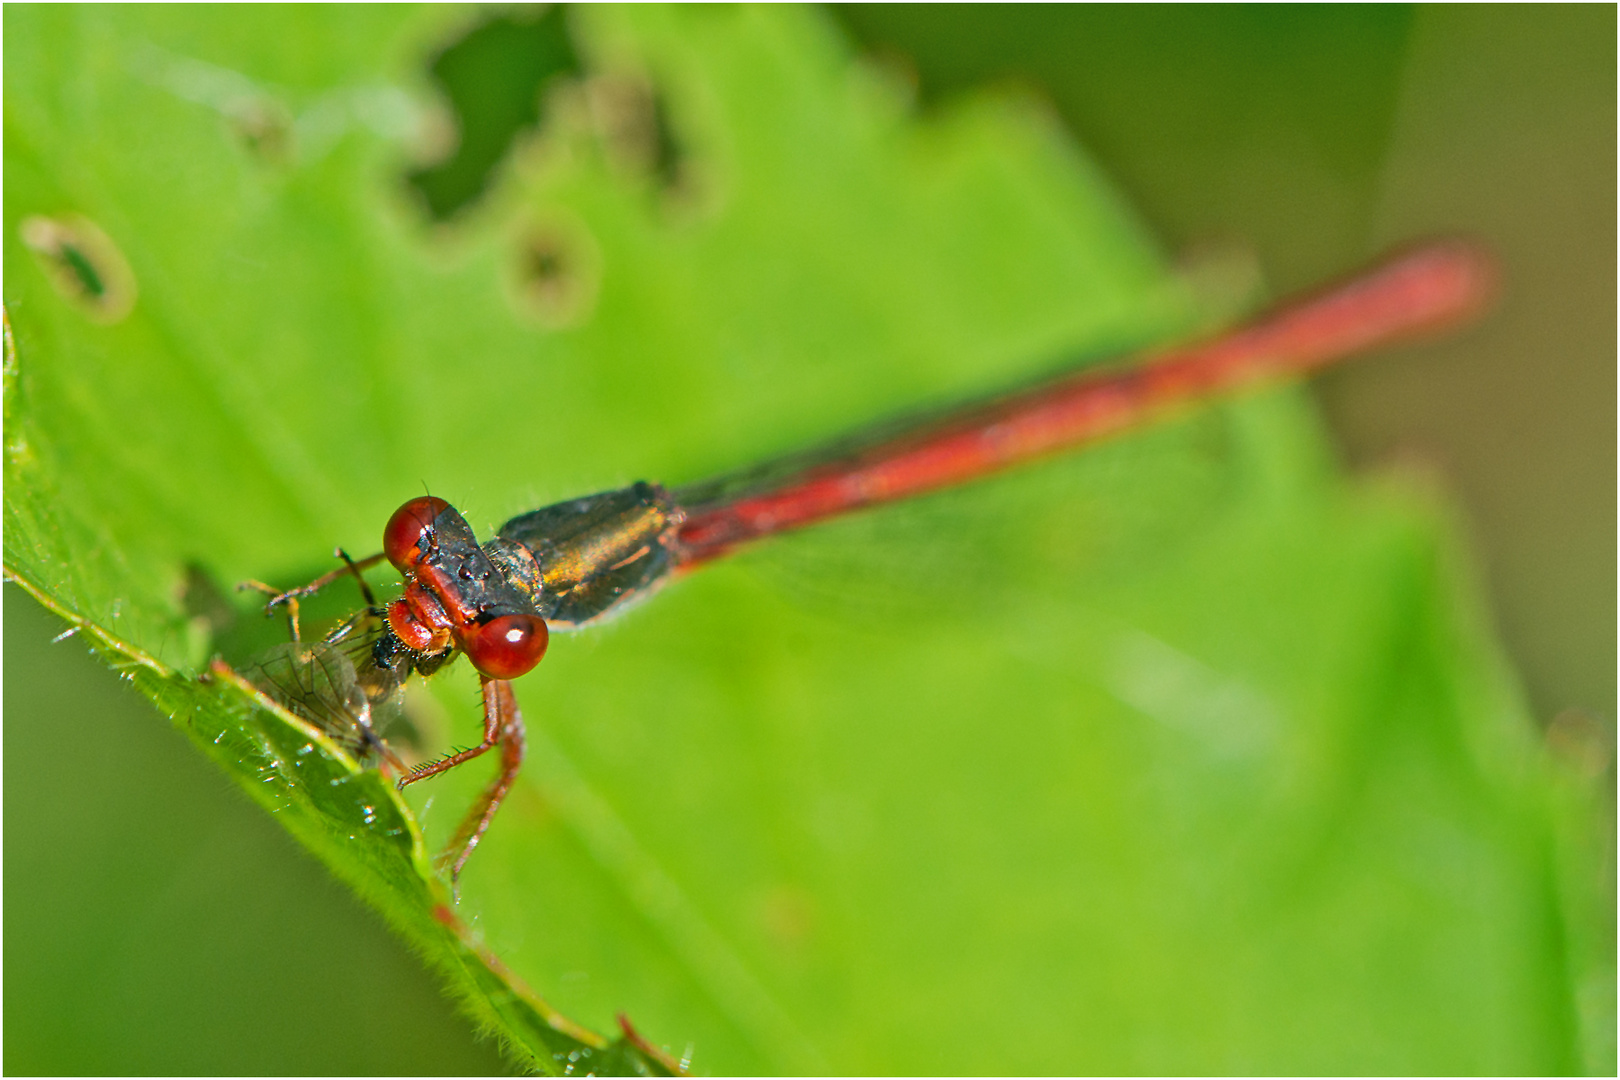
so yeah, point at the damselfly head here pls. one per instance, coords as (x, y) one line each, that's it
(482, 598)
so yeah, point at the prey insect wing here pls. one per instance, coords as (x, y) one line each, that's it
(334, 684)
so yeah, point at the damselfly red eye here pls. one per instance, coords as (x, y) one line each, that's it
(507, 646)
(402, 536)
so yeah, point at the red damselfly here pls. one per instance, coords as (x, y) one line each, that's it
(576, 562)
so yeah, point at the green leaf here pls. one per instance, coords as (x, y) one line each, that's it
(1177, 756)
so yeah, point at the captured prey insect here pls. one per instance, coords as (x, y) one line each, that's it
(576, 562)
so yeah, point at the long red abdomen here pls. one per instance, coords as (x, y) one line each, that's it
(1417, 292)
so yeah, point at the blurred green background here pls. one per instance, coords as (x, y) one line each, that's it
(176, 921)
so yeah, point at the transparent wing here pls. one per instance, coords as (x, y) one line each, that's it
(333, 684)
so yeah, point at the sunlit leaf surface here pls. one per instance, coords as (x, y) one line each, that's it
(1178, 756)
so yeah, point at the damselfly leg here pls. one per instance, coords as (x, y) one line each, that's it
(289, 598)
(503, 726)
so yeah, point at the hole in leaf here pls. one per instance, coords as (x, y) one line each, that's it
(632, 121)
(556, 274)
(493, 78)
(83, 265)
(497, 81)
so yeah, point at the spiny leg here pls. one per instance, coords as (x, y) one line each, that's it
(508, 722)
(503, 724)
(349, 567)
(290, 596)
(492, 735)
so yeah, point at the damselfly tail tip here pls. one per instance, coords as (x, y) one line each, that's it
(1448, 280)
